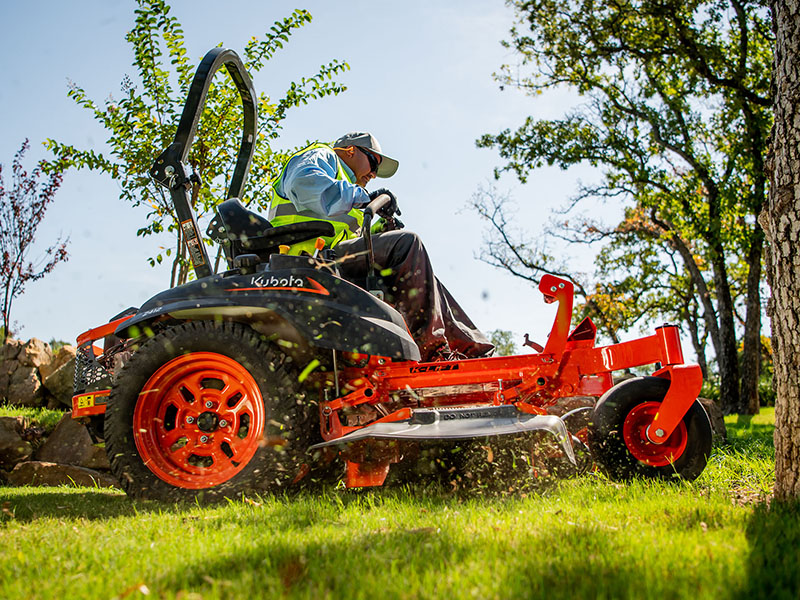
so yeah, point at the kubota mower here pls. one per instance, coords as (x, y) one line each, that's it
(252, 378)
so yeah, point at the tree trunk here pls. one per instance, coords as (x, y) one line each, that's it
(751, 343)
(727, 357)
(782, 225)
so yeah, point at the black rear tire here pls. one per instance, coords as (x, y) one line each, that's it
(276, 419)
(614, 454)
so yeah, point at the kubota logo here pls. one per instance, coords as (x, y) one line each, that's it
(272, 281)
(260, 283)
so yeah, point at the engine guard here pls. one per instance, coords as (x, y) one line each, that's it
(461, 423)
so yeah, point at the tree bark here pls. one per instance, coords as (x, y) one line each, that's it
(781, 222)
(727, 357)
(749, 403)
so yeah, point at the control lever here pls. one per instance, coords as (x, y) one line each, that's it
(531, 344)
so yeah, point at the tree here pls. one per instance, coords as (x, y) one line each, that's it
(503, 342)
(677, 115)
(141, 123)
(781, 220)
(22, 208)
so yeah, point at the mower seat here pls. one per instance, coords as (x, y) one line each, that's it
(242, 231)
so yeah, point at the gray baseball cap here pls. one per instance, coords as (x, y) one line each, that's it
(362, 139)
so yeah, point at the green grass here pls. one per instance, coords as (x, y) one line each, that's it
(582, 538)
(39, 417)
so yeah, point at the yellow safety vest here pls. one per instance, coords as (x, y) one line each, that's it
(282, 211)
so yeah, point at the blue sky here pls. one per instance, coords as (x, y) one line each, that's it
(420, 80)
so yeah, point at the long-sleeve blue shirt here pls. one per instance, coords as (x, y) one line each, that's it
(310, 183)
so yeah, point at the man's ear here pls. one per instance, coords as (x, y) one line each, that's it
(348, 151)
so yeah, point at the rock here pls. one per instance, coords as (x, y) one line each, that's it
(8, 364)
(24, 387)
(62, 357)
(47, 473)
(714, 413)
(35, 353)
(60, 383)
(71, 444)
(13, 448)
(10, 350)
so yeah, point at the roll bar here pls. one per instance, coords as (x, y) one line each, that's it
(170, 169)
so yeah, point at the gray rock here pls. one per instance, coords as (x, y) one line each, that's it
(62, 357)
(35, 353)
(24, 387)
(13, 449)
(71, 444)
(10, 350)
(60, 382)
(46, 473)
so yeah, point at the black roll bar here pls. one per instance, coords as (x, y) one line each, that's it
(170, 170)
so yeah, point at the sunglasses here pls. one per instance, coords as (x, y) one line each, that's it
(374, 161)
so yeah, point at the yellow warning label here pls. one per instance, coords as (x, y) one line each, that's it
(86, 401)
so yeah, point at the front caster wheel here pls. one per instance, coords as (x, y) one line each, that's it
(617, 434)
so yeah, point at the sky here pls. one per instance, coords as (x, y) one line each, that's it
(420, 80)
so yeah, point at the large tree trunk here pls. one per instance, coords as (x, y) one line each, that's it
(782, 225)
(751, 343)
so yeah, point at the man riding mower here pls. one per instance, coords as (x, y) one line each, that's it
(249, 379)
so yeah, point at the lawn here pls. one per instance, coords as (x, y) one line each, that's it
(580, 538)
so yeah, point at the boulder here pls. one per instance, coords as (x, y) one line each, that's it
(60, 383)
(714, 412)
(64, 355)
(8, 363)
(71, 444)
(13, 448)
(35, 353)
(48, 473)
(10, 350)
(24, 387)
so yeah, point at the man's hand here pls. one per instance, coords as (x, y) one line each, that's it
(390, 208)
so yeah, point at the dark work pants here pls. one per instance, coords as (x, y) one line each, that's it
(434, 318)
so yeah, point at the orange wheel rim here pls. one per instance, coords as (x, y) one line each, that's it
(198, 420)
(634, 433)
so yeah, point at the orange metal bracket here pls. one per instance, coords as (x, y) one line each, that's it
(366, 474)
(101, 332)
(555, 288)
(684, 387)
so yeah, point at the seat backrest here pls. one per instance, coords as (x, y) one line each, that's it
(242, 231)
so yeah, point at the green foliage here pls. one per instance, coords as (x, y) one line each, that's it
(503, 341)
(45, 418)
(141, 122)
(676, 114)
(56, 345)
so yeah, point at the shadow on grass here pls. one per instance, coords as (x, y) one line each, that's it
(26, 504)
(773, 565)
(427, 562)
